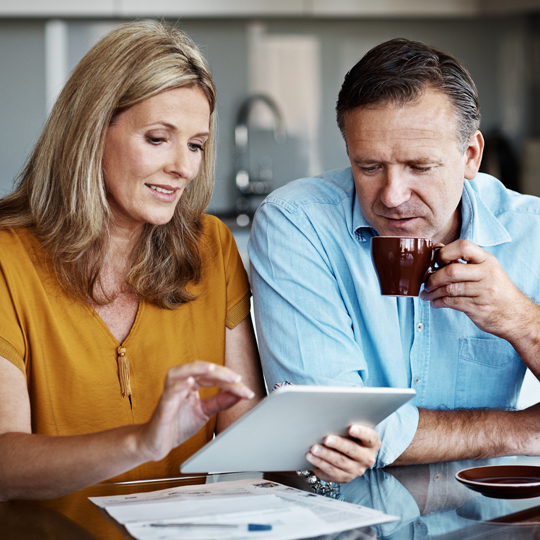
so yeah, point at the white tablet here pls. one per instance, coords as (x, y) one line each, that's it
(278, 432)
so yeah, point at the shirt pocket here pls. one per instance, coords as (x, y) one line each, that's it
(489, 374)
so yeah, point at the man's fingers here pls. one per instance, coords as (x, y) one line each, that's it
(336, 467)
(325, 467)
(455, 272)
(340, 459)
(463, 250)
(468, 291)
(367, 436)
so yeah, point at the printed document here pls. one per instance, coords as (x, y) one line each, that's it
(225, 509)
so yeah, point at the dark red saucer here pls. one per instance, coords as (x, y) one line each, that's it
(503, 481)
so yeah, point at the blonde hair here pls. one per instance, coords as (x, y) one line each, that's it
(60, 195)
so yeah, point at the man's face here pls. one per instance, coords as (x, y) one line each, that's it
(408, 168)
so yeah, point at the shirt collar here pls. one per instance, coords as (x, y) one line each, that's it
(478, 223)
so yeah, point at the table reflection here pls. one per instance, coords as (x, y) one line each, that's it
(430, 502)
(433, 504)
(73, 516)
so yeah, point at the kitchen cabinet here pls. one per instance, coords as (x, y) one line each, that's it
(393, 8)
(263, 8)
(213, 8)
(418, 8)
(57, 8)
(165, 8)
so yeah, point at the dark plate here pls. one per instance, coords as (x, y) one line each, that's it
(503, 481)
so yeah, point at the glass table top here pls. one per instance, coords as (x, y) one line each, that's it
(429, 500)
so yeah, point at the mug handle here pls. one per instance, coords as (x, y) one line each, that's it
(434, 263)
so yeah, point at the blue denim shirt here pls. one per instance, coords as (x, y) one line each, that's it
(321, 320)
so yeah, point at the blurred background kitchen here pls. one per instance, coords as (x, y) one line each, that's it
(278, 66)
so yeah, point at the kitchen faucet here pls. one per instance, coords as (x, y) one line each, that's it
(249, 186)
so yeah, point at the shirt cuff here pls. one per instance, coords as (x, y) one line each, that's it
(396, 433)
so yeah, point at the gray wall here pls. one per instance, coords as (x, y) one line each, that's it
(496, 51)
(22, 94)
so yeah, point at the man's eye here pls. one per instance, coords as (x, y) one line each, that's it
(370, 169)
(420, 169)
(155, 140)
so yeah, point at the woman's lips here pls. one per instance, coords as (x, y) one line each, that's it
(163, 192)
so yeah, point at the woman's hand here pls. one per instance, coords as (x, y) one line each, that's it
(340, 459)
(44, 467)
(180, 412)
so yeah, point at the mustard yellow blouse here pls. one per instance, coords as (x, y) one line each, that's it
(69, 356)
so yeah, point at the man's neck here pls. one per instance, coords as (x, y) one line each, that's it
(453, 232)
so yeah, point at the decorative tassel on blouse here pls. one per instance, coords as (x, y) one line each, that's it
(123, 372)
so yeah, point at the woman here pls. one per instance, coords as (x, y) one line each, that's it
(112, 280)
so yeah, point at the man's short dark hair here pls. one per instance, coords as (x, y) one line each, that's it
(399, 71)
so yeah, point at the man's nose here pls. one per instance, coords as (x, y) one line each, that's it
(395, 190)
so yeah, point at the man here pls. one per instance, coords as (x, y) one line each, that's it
(409, 114)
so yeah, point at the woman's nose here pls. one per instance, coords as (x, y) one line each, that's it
(183, 163)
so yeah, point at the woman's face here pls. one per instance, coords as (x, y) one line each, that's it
(152, 151)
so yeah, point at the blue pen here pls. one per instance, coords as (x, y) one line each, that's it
(245, 526)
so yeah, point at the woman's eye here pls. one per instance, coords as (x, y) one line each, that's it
(195, 147)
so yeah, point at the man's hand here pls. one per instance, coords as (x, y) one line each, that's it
(472, 281)
(340, 459)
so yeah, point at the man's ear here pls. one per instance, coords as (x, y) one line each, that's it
(473, 155)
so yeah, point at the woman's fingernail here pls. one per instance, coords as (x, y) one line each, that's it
(316, 449)
(355, 431)
(330, 441)
(248, 393)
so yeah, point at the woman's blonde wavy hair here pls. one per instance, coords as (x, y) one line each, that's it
(60, 195)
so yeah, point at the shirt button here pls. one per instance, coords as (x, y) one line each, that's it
(437, 477)
(419, 326)
(416, 380)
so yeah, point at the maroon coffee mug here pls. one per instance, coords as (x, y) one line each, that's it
(403, 264)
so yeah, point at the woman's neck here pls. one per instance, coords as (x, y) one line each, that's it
(112, 277)
(121, 244)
